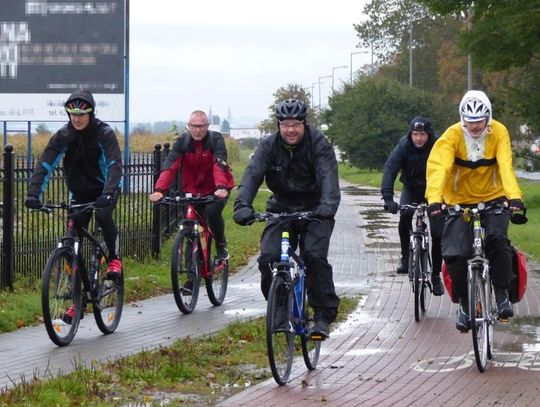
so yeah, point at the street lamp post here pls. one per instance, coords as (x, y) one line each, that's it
(358, 52)
(321, 77)
(333, 69)
(312, 86)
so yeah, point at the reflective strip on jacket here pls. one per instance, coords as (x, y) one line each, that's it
(454, 178)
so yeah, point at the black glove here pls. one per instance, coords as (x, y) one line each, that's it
(33, 203)
(323, 212)
(516, 203)
(434, 207)
(103, 201)
(391, 206)
(244, 216)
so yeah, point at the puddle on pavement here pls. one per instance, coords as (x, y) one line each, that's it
(527, 329)
(355, 190)
(382, 245)
(245, 311)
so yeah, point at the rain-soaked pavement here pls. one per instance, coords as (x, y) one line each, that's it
(379, 356)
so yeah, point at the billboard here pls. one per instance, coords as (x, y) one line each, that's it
(48, 49)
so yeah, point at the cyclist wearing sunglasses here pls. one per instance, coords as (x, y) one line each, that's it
(92, 163)
(300, 168)
(200, 157)
(410, 157)
(472, 163)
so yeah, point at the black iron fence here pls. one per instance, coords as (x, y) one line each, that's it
(27, 237)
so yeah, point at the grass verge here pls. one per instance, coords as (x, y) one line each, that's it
(194, 371)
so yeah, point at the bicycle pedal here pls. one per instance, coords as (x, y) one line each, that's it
(317, 337)
(504, 320)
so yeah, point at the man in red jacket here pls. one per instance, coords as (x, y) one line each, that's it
(199, 156)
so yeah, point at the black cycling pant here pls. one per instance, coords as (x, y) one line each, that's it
(314, 243)
(457, 248)
(409, 197)
(104, 218)
(213, 213)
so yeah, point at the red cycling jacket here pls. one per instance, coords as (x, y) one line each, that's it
(202, 165)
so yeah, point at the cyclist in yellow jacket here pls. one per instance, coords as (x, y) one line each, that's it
(472, 163)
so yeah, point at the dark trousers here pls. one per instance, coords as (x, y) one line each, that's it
(104, 218)
(213, 212)
(457, 248)
(409, 197)
(314, 240)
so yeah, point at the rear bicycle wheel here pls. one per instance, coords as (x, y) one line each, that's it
(185, 271)
(109, 296)
(279, 332)
(478, 310)
(61, 297)
(310, 349)
(216, 283)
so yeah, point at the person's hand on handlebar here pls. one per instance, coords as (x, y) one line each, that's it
(156, 196)
(221, 193)
(436, 209)
(515, 205)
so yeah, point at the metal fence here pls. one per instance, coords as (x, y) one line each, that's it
(27, 237)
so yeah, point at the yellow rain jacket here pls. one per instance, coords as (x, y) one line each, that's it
(461, 172)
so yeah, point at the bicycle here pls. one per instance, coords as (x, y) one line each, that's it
(483, 312)
(69, 281)
(420, 265)
(287, 315)
(194, 257)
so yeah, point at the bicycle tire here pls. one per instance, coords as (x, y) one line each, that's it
(216, 283)
(61, 289)
(109, 296)
(185, 271)
(479, 320)
(417, 281)
(279, 334)
(311, 350)
(424, 261)
(492, 312)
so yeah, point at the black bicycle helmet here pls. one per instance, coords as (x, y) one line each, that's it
(291, 109)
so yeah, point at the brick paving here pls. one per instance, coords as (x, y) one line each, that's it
(381, 356)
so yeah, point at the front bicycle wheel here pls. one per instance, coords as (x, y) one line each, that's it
(61, 297)
(279, 332)
(310, 349)
(185, 271)
(417, 281)
(109, 296)
(478, 311)
(216, 282)
(424, 261)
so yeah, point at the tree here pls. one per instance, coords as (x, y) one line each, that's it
(42, 128)
(290, 91)
(368, 118)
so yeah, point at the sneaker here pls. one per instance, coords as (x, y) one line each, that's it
(69, 314)
(187, 288)
(437, 285)
(320, 331)
(114, 269)
(222, 252)
(463, 324)
(504, 307)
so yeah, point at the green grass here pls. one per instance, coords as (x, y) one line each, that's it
(193, 371)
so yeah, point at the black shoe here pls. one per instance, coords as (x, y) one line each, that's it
(437, 285)
(463, 324)
(222, 252)
(187, 288)
(504, 307)
(404, 267)
(320, 331)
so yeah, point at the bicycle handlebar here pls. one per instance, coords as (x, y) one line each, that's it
(50, 207)
(284, 216)
(187, 199)
(494, 208)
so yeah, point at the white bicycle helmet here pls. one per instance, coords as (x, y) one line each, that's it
(475, 106)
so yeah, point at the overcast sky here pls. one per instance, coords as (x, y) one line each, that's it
(235, 54)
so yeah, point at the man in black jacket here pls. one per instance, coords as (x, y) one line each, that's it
(410, 157)
(92, 169)
(300, 168)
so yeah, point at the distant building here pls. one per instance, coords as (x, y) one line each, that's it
(246, 132)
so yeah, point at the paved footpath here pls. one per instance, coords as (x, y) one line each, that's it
(379, 356)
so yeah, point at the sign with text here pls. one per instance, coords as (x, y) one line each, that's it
(48, 49)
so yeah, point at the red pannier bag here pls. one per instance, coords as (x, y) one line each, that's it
(518, 285)
(448, 283)
(519, 282)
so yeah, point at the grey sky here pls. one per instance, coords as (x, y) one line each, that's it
(235, 54)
